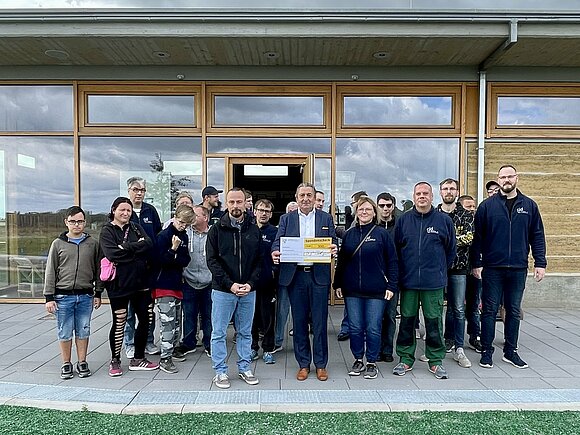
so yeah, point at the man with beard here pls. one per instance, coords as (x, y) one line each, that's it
(308, 284)
(457, 273)
(210, 197)
(234, 259)
(507, 225)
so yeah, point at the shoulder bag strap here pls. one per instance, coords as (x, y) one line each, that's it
(362, 241)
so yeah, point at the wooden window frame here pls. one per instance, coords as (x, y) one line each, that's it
(149, 89)
(453, 90)
(505, 89)
(323, 90)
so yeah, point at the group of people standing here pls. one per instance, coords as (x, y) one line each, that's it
(231, 271)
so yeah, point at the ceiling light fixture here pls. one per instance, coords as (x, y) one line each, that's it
(162, 54)
(57, 54)
(382, 55)
(271, 54)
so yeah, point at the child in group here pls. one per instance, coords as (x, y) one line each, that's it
(173, 257)
(72, 289)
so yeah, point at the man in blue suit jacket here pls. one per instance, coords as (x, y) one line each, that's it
(307, 284)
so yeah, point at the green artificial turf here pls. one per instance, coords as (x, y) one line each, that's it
(20, 420)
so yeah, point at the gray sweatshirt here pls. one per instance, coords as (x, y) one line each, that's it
(197, 273)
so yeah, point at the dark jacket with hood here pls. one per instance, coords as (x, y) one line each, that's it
(172, 263)
(426, 248)
(131, 258)
(233, 255)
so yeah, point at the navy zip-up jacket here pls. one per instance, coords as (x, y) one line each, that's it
(267, 277)
(374, 267)
(426, 248)
(502, 240)
(172, 263)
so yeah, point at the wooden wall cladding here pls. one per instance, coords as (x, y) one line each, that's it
(549, 173)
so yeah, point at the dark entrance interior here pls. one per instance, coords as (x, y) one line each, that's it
(280, 189)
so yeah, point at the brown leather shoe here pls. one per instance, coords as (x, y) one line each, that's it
(302, 374)
(322, 374)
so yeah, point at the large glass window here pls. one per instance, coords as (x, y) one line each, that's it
(32, 198)
(261, 145)
(36, 108)
(538, 111)
(232, 110)
(216, 173)
(398, 110)
(392, 165)
(142, 109)
(168, 164)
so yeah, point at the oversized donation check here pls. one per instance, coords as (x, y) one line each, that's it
(305, 249)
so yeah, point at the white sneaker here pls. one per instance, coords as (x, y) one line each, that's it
(130, 351)
(249, 378)
(222, 380)
(461, 359)
(151, 349)
(423, 358)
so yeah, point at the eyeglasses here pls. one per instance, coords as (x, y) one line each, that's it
(71, 222)
(507, 177)
(137, 190)
(263, 210)
(385, 205)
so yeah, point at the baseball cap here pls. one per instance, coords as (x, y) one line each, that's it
(210, 190)
(490, 184)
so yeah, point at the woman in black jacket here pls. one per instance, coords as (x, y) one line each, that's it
(127, 245)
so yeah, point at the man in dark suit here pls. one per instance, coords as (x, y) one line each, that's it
(307, 284)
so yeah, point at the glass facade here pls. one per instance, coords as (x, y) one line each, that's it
(256, 145)
(538, 111)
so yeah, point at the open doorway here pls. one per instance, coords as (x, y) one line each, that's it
(276, 182)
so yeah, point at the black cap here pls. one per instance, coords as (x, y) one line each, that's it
(490, 184)
(210, 190)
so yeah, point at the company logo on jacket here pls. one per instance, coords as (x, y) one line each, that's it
(147, 220)
(521, 210)
(432, 230)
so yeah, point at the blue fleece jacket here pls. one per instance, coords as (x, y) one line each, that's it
(426, 248)
(172, 263)
(502, 240)
(373, 268)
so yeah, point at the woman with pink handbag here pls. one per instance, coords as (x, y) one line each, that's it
(126, 245)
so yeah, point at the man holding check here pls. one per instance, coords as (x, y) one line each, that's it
(307, 283)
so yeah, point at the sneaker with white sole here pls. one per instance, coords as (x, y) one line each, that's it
(130, 351)
(423, 358)
(277, 349)
(371, 372)
(515, 360)
(358, 367)
(449, 345)
(439, 372)
(401, 369)
(115, 368)
(254, 356)
(475, 344)
(486, 360)
(151, 349)
(221, 380)
(82, 369)
(167, 365)
(248, 377)
(66, 371)
(268, 358)
(461, 359)
(142, 364)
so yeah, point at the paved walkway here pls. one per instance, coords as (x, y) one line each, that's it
(30, 367)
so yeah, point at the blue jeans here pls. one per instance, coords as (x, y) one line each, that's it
(498, 282)
(472, 301)
(224, 306)
(389, 325)
(307, 297)
(129, 337)
(344, 326)
(73, 314)
(455, 316)
(365, 322)
(282, 310)
(196, 303)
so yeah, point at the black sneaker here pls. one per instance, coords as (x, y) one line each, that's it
(83, 370)
(486, 360)
(178, 355)
(449, 345)
(515, 360)
(371, 371)
(475, 344)
(184, 349)
(66, 371)
(208, 352)
(357, 368)
(386, 357)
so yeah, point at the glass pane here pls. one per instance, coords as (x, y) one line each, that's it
(560, 111)
(142, 109)
(216, 174)
(168, 164)
(393, 165)
(397, 110)
(268, 110)
(322, 180)
(259, 145)
(36, 108)
(32, 199)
